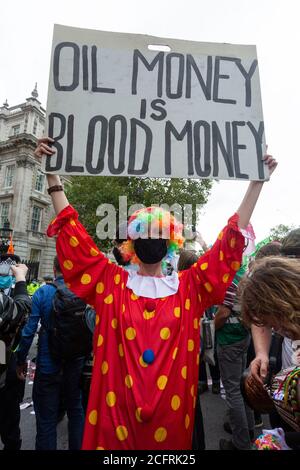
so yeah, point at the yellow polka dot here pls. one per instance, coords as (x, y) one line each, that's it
(100, 448)
(196, 325)
(94, 252)
(148, 315)
(68, 264)
(142, 363)
(165, 333)
(53, 221)
(226, 277)
(97, 319)
(195, 265)
(192, 390)
(117, 279)
(121, 433)
(121, 350)
(175, 402)
(199, 298)
(100, 288)
(187, 421)
(220, 236)
(68, 285)
(85, 279)
(198, 359)
(130, 333)
(73, 223)
(203, 266)
(111, 399)
(100, 340)
(123, 308)
(104, 367)
(123, 285)
(184, 372)
(177, 312)
(175, 353)
(221, 255)
(134, 297)
(194, 402)
(191, 345)
(93, 417)
(74, 242)
(109, 299)
(162, 382)
(128, 381)
(179, 275)
(163, 298)
(160, 434)
(235, 265)
(208, 287)
(114, 323)
(232, 242)
(187, 304)
(138, 415)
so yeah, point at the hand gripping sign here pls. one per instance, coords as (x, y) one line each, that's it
(117, 107)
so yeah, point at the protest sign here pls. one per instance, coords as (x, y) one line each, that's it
(117, 107)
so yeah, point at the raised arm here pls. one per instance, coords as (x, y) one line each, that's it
(250, 199)
(59, 199)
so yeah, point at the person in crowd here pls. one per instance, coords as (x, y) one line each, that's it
(51, 376)
(270, 249)
(186, 259)
(233, 340)
(14, 308)
(262, 334)
(270, 299)
(146, 340)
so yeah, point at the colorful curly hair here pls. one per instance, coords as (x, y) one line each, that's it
(153, 222)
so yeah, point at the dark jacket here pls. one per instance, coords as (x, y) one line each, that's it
(14, 310)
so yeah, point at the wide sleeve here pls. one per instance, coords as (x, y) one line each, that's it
(214, 271)
(84, 267)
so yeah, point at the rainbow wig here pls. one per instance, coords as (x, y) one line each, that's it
(152, 222)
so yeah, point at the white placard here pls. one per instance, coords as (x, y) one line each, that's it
(115, 107)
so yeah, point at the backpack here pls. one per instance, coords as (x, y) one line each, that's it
(68, 335)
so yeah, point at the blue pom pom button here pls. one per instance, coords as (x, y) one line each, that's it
(148, 356)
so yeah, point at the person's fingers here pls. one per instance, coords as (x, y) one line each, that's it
(47, 149)
(264, 369)
(45, 140)
(255, 371)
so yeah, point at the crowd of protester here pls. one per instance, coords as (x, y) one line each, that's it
(252, 309)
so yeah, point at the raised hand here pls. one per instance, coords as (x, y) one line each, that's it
(43, 147)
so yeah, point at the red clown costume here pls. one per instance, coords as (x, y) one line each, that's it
(136, 402)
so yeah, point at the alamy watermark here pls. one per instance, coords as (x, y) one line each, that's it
(114, 220)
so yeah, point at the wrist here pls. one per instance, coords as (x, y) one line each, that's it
(53, 180)
(20, 277)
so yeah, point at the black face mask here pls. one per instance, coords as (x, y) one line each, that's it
(150, 250)
(118, 257)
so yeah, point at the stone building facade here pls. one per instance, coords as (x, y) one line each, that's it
(24, 201)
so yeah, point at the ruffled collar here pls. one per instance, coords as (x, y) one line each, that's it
(153, 287)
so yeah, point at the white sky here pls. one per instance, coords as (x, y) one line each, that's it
(272, 25)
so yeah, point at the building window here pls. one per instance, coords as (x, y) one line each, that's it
(40, 181)
(36, 219)
(16, 129)
(9, 176)
(35, 255)
(34, 126)
(4, 213)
